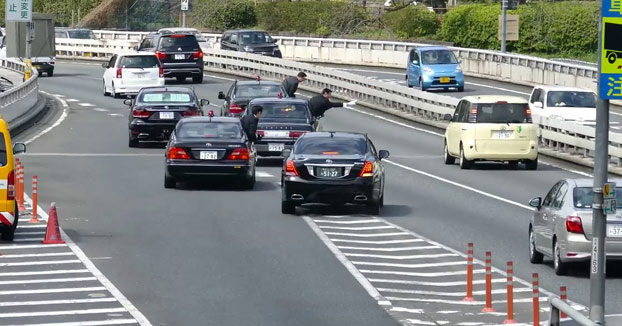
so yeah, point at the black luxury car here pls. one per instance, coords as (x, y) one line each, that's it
(241, 92)
(180, 54)
(251, 41)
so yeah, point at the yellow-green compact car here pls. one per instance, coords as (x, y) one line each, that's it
(491, 128)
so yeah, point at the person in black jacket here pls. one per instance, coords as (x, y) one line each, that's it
(321, 103)
(291, 83)
(250, 121)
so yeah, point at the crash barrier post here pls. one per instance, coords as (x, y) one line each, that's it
(469, 281)
(488, 307)
(52, 232)
(536, 299)
(35, 215)
(564, 296)
(510, 294)
(558, 305)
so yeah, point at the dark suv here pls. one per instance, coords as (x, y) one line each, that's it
(251, 41)
(180, 54)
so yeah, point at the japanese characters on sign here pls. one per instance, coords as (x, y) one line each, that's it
(19, 10)
(611, 51)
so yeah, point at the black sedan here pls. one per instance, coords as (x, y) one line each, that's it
(283, 120)
(242, 92)
(156, 110)
(333, 168)
(209, 147)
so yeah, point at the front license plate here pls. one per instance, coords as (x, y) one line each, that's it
(614, 230)
(179, 57)
(276, 147)
(167, 115)
(328, 172)
(208, 155)
(445, 80)
(502, 134)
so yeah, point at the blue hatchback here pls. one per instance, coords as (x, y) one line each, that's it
(434, 67)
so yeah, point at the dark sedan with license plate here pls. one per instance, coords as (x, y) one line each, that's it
(202, 147)
(283, 120)
(243, 91)
(333, 168)
(155, 111)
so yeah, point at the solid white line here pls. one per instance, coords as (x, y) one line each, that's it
(387, 249)
(426, 265)
(35, 263)
(464, 303)
(460, 185)
(357, 235)
(115, 114)
(86, 104)
(362, 228)
(60, 119)
(456, 283)
(421, 274)
(27, 239)
(43, 291)
(377, 242)
(51, 254)
(54, 272)
(347, 222)
(88, 323)
(61, 313)
(396, 122)
(29, 233)
(371, 290)
(32, 226)
(51, 280)
(55, 302)
(400, 257)
(34, 246)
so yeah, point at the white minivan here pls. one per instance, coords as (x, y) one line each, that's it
(127, 73)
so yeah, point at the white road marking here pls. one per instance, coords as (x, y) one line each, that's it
(442, 284)
(464, 303)
(37, 263)
(362, 228)
(34, 246)
(377, 242)
(44, 291)
(60, 119)
(33, 226)
(374, 235)
(51, 280)
(413, 311)
(88, 323)
(395, 249)
(54, 272)
(58, 95)
(72, 100)
(218, 77)
(401, 257)
(101, 110)
(115, 114)
(86, 104)
(27, 239)
(423, 322)
(262, 174)
(29, 233)
(425, 265)
(348, 222)
(55, 302)
(95, 154)
(61, 313)
(52, 254)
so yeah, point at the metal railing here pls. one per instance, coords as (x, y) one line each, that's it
(18, 92)
(558, 306)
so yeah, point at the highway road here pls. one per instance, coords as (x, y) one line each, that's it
(210, 254)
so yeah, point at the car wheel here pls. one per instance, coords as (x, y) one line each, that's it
(132, 141)
(513, 165)
(106, 93)
(198, 79)
(421, 85)
(50, 73)
(448, 158)
(532, 165)
(181, 79)
(114, 92)
(287, 207)
(461, 89)
(560, 267)
(8, 232)
(249, 183)
(169, 182)
(39, 73)
(464, 163)
(408, 82)
(535, 257)
(374, 208)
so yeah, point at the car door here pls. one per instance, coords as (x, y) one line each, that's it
(414, 68)
(377, 165)
(541, 220)
(454, 130)
(555, 214)
(110, 72)
(224, 41)
(227, 102)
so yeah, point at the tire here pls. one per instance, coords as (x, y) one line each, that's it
(449, 160)
(114, 93)
(408, 82)
(106, 93)
(50, 73)
(169, 182)
(464, 163)
(381, 201)
(288, 207)
(181, 79)
(132, 142)
(461, 89)
(8, 232)
(560, 267)
(421, 85)
(39, 73)
(535, 257)
(374, 208)
(249, 183)
(532, 165)
(198, 79)
(513, 165)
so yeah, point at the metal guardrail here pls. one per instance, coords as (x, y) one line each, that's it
(558, 305)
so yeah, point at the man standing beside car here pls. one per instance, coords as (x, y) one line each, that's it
(321, 103)
(291, 83)
(250, 121)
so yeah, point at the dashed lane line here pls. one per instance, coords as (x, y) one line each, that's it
(86, 104)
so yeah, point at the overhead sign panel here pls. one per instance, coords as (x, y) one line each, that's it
(611, 51)
(18, 10)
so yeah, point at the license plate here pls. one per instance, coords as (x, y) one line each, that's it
(140, 76)
(614, 230)
(208, 155)
(502, 134)
(277, 134)
(328, 172)
(276, 147)
(445, 80)
(167, 115)
(180, 56)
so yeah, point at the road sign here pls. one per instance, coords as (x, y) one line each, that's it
(609, 190)
(19, 10)
(611, 50)
(184, 5)
(609, 206)
(512, 25)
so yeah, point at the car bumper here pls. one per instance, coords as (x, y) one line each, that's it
(152, 131)
(179, 168)
(263, 147)
(436, 80)
(183, 70)
(7, 218)
(577, 248)
(527, 151)
(43, 66)
(300, 191)
(121, 88)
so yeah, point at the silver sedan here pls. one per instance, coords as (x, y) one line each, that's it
(561, 225)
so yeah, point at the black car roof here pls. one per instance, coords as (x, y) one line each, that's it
(256, 82)
(245, 30)
(260, 100)
(167, 89)
(338, 134)
(213, 119)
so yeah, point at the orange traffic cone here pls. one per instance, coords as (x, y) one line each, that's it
(52, 233)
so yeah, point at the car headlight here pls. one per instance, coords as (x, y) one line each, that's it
(458, 69)
(428, 70)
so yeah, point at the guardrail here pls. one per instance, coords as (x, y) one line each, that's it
(558, 305)
(17, 102)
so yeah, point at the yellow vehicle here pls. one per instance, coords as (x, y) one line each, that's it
(491, 128)
(9, 214)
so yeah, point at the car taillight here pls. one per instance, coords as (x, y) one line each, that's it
(239, 154)
(296, 134)
(119, 72)
(161, 72)
(139, 113)
(10, 192)
(234, 108)
(177, 153)
(290, 168)
(473, 114)
(528, 114)
(368, 170)
(160, 55)
(191, 112)
(574, 225)
(197, 55)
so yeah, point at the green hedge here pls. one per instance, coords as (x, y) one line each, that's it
(221, 15)
(412, 21)
(562, 27)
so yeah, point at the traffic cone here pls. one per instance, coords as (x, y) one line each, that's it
(52, 233)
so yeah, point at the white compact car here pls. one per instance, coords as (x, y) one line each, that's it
(127, 73)
(564, 103)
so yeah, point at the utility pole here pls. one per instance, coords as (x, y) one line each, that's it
(28, 61)
(504, 19)
(184, 9)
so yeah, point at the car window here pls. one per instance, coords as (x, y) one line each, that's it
(258, 90)
(204, 129)
(583, 197)
(3, 154)
(179, 43)
(438, 57)
(60, 35)
(571, 99)
(551, 195)
(85, 35)
(234, 38)
(372, 148)
(112, 61)
(225, 37)
(535, 95)
(284, 111)
(199, 36)
(559, 197)
(461, 112)
(501, 113)
(147, 43)
(168, 97)
(140, 61)
(255, 38)
(331, 146)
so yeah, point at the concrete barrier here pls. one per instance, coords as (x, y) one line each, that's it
(20, 104)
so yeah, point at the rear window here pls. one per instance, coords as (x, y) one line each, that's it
(583, 197)
(85, 35)
(179, 43)
(165, 98)
(331, 146)
(140, 61)
(284, 111)
(571, 99)
(255, 38)
(258, 90)
(3, 156)
(501, 113)
(204, 129)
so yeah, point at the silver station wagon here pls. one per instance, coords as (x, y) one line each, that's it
(561, 225)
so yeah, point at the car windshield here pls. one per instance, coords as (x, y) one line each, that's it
(583, 197)
(140, 61)
(85, 35)
(438, 57)
(571, 99)
(179, 43)
(501, 113)
(258, 90)
(284, 111)
(204, 129)
(331, 146)
(168, 97)
(255, 38)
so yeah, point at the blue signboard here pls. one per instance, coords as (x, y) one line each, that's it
(611, 51)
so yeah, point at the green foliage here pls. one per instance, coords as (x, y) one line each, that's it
(223, 14)
(412, 21)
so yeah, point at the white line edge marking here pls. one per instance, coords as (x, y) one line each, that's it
(62, 117)
(54, 272)
(61, 312)
(88, 323)
(51, 280)
(55, 302)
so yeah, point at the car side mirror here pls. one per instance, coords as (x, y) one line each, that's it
(221, 96)
(204, 102)
(459, 61)
(105, 65)
(536, 202)
(286, 152)
(382, 154)
(539, 105)
(415, 62)
(136, 47)
(19, 148)
(128, 102)
(447, 117)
